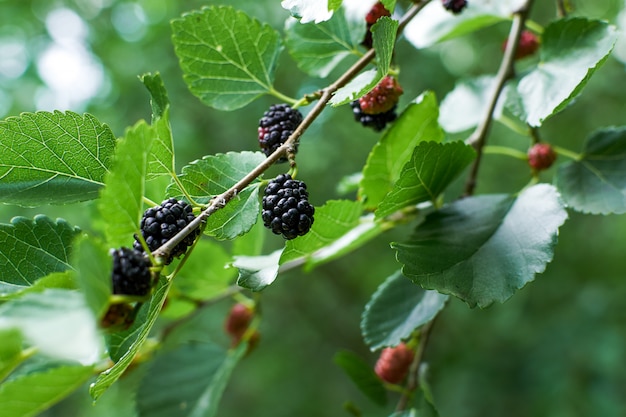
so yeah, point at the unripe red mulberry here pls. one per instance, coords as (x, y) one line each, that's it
(238, 321)
(382, 98)
(393, 363)
(528, 44)
(541, 156)
(376, 12)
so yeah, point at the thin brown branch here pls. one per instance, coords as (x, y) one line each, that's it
(478, 139)
(220, 201)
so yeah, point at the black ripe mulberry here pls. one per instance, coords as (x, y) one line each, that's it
(131, 272)
(455, 6)
(286, 208)
(159, 224)
(275, 127)
(375, 121)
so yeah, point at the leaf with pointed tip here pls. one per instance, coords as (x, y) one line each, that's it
(571, 51)
(431, 169)
(32, 249)
(228, 59)
(332, 220)
(319, 48)
(384, 164)
(93, 269)
(53, 158)
(310, 10)
(126, 347)
(30, 394)
(212, 175)
(482, 249)
(384, 39)
(363, 376)
(161, 161)
(257, 272)
(396, 309)
(597, 182)
(121, 200)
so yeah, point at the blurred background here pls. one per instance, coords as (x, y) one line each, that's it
(557, 348)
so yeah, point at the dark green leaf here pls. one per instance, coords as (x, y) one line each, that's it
(94, 265)
(363, 376)
(32, 249)
(121, 200)
(158, 95)
(431, 169)
(28, 395)
(571, 51)
(53, 158)
(319, 48)
(384, 39)
(310, 10)
(228, 59)
(257, 272)
(238, 217)
(396, 309)
(417, 123)
(482, 249)
(597, 183)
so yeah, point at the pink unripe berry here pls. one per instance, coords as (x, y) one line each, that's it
(393, 363)
(382, 98)
(541, 156)
(528, 44)
(238, 321)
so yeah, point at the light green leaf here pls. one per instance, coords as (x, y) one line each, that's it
(228, 59)
(431, 169)
(121, 200)
(396, 309)
(10, 351)
(28, 395)
(389, 5)
(94, 265)
(332, 220)
(597, 183)
(32, 249)
(161, 160)
(384, 39)
(62, 280)
(53, 158)
(135, 337)
(251, 244)
(571, 51)
(310, 10)
(363, 376)
(212, 175)
(482, 249)
(334, 4)
(319, 48)
(257, 272)
(385, 162)
(58, 322)
(435, 24)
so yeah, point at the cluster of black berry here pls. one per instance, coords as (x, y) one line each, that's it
(286, 207)
(378, 107)
(276, 126)
(455, 6)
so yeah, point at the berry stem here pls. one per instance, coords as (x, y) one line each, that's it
(534, 26)
(292, 101)
(221, 200)
(514, 125)
(567, 153)
(504, 150)
(478, 139)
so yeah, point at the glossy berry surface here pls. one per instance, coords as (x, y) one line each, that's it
(131, 272)
(541, 156)
(373, 121)
(286, 207)
(393, 363)
(276, 126)
(159, 224)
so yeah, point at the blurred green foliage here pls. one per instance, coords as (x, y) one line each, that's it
(557, 348)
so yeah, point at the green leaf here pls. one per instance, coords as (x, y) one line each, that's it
(468, 94)
(121, 200)
(28, 395)
(134, 340)
(431, 169)
(331, 221)
(334, 4)
(10, 351)
(482, 249)
(384, 39)
(251, 244)
(212, 175)
(161, 161)
(257, 272)
(94, 265)
(396, 309)
(58, 322)
(597, 183)
(310, 10)
(61, 280)
(434, 24)
(202, 279)
(53, 158)
(187, 382)
(363, 376)
(32, 249)
(228, 59)
(384, 164)
(389, 5)
(319, 48)
(571, 51)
